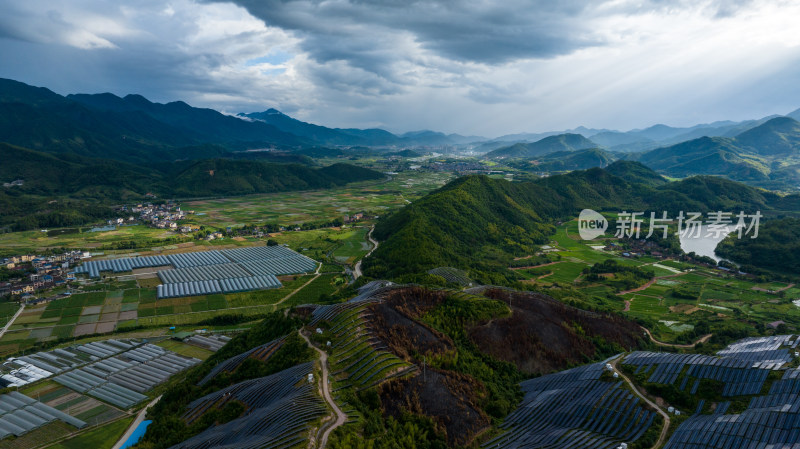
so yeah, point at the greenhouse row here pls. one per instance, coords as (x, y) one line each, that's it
(284, 261)
(195, 288)
(121, 379)
(20, 414)
(19, 371)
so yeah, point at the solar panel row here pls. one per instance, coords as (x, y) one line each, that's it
(574, 409)
(280, 408)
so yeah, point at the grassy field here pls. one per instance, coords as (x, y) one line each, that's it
(101, 437)
(353, 247)
(185, 349)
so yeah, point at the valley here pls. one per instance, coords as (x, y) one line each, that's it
(444, 296)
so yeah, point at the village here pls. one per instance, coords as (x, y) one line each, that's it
(23, 276)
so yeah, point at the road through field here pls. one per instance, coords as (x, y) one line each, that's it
(357, 270)
(341, 417)
(13, 318)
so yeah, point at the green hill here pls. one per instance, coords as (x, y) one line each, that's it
(777, 247)
(779, 136)
(707, 156)
(636, 172)
(479, 224)
(577, 160)
(550, 144)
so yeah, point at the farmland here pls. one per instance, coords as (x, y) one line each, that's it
(682, 296)
(287, 208)
(298, 207)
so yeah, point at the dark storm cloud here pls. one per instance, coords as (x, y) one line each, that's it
(472, 31)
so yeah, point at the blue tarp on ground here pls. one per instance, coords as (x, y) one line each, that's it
(137, 434)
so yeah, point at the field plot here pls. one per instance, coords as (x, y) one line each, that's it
(354, 246)
(36, 241)
(575, 409)
(105, 436)
(299, 207)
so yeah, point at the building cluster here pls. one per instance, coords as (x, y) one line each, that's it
(353, 218)
(162, 216)
(35, 273)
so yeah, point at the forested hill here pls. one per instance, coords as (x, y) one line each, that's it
(66, 190)
(479, 224)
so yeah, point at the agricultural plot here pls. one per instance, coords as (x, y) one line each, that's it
(292, 208)
(280, 407)
(353, 247)
(575, 409)
(186, 349)
(36, 242)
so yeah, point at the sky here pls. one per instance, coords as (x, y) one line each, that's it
(471, 67)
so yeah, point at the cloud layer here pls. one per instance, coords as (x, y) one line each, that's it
(471, 66)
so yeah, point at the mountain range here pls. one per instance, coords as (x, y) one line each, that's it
(83, 128)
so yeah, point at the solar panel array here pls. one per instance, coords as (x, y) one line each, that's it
(740, 377)
(209, 272)
(280, 408)
(262, 352)
(763, 350)
(574, 409)
(121, 379)
(265, 253)
(197, 259)
(20, 414)
(770, 421)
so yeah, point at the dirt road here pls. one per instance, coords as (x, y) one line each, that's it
(341, 417)
(663, 437)
(5, 328)
(702, 339)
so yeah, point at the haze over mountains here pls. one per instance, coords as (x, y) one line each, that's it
(765, 151)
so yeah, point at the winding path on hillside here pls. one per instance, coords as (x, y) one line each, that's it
(662, 439)
(340, 416)
(11, 321)
(357, 269)
(702, 339)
